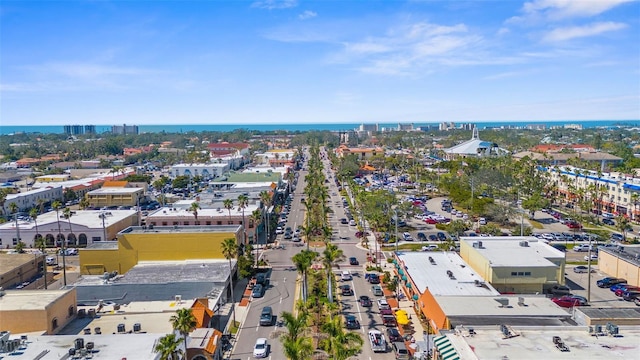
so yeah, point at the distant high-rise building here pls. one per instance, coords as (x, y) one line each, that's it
(124, 129)
(73, 130)
(89, 129)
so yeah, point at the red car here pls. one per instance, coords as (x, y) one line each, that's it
(430, 221)
(568, 301)
(623, 290)
(574, 225)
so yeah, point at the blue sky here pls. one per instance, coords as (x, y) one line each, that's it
(288, 61)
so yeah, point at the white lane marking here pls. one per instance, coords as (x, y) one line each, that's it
(357, 302)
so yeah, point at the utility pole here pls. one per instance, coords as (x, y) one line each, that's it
(396, 213)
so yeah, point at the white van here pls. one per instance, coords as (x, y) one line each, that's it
(345, 276)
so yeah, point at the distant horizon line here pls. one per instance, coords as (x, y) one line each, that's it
(327, 122)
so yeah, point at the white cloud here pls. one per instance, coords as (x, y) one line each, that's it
(573, 32)
(275, 4)
(561, 9)
(307, 14)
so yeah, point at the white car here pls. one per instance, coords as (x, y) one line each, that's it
(279, 230)
(261, 348)
(593, 257)
(482, 221)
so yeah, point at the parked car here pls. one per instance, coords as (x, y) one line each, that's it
(559, 290)
(560, 247)
(582, 247)
(352, 222)
(365, 301)
(609, 222)
(573, 225)
(482, 221)
(389, 321)
(593, 257)
(394, 335)
(617, 237)
(610, 281)
(407, 237)
(377, 290)
(441, 236)
(623, 286)
(433, 237)
(631, 295)
(582, 269)
(383, 304)
(421, 236)
(568, 301)
(351, 323)
(257, 291)
(344, 221)
(620, 292)
(261, 348)
(374, 279)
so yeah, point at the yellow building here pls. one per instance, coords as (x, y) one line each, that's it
(622, 262)
(115, 196)
(48, 311)
(514, 264)
(53, 178)
(157, 243)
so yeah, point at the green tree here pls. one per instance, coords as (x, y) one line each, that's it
(243, 202)
(168, 347)
(41, 244)
(340, 344)
(183, 322)
(228, 204)
(331, 255)
(67, 213)
(296, 345)
(56, 205)
(623, 225)
(194, 209)
(230, 251)
(303, 261)
(20, 247)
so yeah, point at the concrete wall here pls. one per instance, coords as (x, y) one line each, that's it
(21, 321)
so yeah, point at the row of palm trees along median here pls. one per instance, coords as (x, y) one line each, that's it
(315, 329)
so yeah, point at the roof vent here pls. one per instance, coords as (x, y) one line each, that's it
(524, 243)
(504, 302)
(433, 262)
(450, 275)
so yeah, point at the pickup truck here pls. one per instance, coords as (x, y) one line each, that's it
(377, 341)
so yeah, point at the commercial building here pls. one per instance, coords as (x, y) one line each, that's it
(362, 153)
(125, 129)
(448, 292)
(472, 148)
(536, 342)
(182, 216)
(621, 261)
(109, 196)
(32, 198)
(46, 311)
(73, 129)
(83, 228)
(615, 193)
(206, 171)
(156, 244)
(15, 269)
(514, 264)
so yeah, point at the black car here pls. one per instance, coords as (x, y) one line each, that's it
(421, 236)
(609, 282)
(346, 290)
(609, 222)
(441, 236)
(353, 261)
(432, 237)
(351, 323)
(288, 236)
(365, 301)
(394, 335)
(373, 279)
(344, 221)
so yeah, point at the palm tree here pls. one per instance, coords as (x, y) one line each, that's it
(33, 213)
(243, 201)
(3, 199)
(183, 322)
(13, 207)
(168, 347)
(622, 224)
(84, 203)
(56, 205)
(228, 204)
(340, 344)
(194, 209)
(67, 215)
(303, 261)
(296, 345)
(230, 251)
(41, 244)
(332, 254)
(265, 198)
(255, 218)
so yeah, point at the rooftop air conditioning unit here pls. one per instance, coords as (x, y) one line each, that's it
(524, 243)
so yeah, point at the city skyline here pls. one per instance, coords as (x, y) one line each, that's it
(298, 62)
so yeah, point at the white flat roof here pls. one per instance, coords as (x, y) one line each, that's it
(106, 346)
(29, 299)
(115, 190)
(478, 306)
(506, 251)
(209, 165)
(537, 343)
(433, 276)
(88, 218)
(30, 192)
(202, 213)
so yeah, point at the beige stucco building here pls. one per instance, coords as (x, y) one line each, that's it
(514, 264)
(622, 262)
(23, 311)
(18, 268)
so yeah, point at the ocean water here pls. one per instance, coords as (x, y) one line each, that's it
(185, 128)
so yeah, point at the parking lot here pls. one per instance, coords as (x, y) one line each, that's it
(600, 297)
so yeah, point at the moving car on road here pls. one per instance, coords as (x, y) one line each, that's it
(351, 323)
(261, 348)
